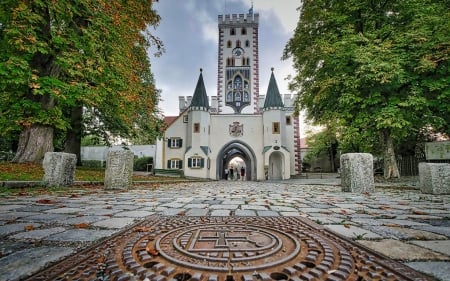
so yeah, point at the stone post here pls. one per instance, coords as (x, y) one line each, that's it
(434, 178)
(357, 172)
(59, 168)
(119, 169)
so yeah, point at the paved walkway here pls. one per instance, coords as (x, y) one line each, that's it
(401, 223)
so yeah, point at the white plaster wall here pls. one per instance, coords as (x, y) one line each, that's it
(177, 129)
(100, 152)
(220, 136)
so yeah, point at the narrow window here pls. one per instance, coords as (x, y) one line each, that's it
(196, 127)
(232, 31)
(288, 120)
(275, 127)
(247, 43)
(243, 31)
(229, 44)
(238, 43)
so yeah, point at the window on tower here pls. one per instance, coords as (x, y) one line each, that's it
(232, 31)
(288, 120)
(275, 127)
(196, 127)
(229, 44)
(238, 43)
(247, 43)
(244, 31)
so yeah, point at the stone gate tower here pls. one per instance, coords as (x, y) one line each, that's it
(238, 64)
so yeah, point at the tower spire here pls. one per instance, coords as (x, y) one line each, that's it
(200, 98)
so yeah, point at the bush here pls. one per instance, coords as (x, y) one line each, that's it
(93, 163)
(6, 156)
(140, 164)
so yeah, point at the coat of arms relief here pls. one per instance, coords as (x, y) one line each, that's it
(236, 129)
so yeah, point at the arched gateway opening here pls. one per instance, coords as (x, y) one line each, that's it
(232, 150)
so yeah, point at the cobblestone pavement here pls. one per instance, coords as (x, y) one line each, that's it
(400, 223)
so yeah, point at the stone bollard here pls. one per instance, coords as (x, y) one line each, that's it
(59, 168)
(357, 172)
(434, 178)
(119, 169)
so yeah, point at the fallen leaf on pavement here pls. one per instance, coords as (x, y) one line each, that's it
(82, 225)
(46, 201)
(28, 227)
(151, 251)
(143, 229)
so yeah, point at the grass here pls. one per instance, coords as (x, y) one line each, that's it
(35, 172)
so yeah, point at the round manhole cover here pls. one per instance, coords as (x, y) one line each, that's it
(228, 248)
(225, 249)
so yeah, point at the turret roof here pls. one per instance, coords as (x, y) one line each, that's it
(200, 98)
(273, 97)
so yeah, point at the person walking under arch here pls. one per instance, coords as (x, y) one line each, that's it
(242, 173)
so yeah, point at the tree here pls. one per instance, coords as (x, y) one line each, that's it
(58, 57)
(380, 68)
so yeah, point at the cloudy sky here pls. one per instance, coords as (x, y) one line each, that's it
(189, 31)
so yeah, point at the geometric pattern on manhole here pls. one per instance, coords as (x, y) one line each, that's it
(227, 248)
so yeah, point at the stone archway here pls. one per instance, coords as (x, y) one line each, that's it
(232, 150)
(276, 166)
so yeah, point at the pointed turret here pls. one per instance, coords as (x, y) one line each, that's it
(273, 97)
(200, 98)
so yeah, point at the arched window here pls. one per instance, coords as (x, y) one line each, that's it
(238, 43)
(246, 97)
(230, 96)
(229, 44)
(244, 31)
(238, 83)
(237, 97)
(247, 43)
(232, 31)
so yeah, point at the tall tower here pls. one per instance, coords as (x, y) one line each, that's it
(238, 64)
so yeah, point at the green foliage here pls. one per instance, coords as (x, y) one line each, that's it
(378, 68)
(93, 163)
(55, 55)
(140, 164)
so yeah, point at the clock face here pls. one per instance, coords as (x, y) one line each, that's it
(238, 52)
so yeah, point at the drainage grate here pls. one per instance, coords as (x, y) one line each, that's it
(226, 249)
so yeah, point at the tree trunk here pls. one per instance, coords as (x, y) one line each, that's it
(34, 142)
(390, 162)
(73, 134)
